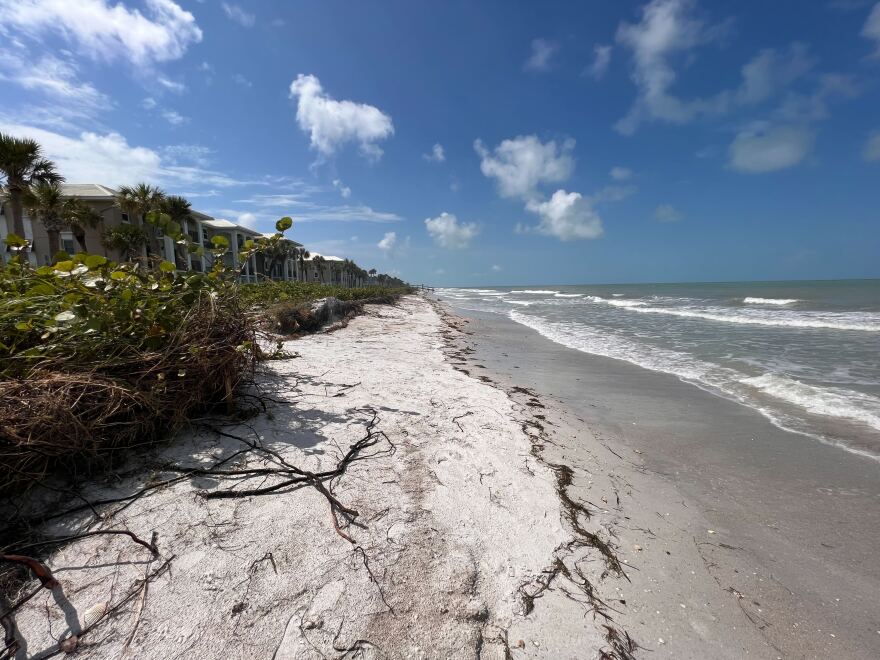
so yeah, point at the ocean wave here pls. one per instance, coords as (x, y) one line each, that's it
(722, 381)
(524, 303)
(750, 300)
(825, 401)
(819, 320)
(860, 321)
(567, 295)
(535, 291)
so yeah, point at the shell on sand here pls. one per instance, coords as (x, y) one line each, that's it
(93, 614)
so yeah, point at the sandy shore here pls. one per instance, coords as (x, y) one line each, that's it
(492, 521)
(790, 567)
(461, 547)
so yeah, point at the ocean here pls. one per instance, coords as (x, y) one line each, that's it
(804, 354)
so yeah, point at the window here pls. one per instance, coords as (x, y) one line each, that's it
(125, 217)
(67, 244)
(1, 209)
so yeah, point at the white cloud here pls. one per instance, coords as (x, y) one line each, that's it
(871, 152)
(601, 60)
(668, 213)
(174, 118)
(344, 190)
(55, 78)
(307, 210)
(331, 123)
(149, 103)
(766, 148)
(388, 242)
(543, 51)
(437, 155)
(872, 28)
(171, 85)
(188, 153)
(108, 158)
(449, 233)
(496, 268)
(619, 173)
(239, 15)
(107, 32)
(521, 164)
(240, 79)
(567, 216)
(770, 71)
(666, 27)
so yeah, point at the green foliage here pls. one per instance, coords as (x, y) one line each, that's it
(126, 238)
(269, 293)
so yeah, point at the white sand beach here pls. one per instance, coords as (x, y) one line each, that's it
(490, 524)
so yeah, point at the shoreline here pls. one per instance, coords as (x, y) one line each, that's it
(479, 516)
(794, 521)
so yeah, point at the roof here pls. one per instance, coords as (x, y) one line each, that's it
(289, 240)
(87, 191)
(222, 224)
(326, 257)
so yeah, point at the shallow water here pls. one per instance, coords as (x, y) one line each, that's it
(805, 354)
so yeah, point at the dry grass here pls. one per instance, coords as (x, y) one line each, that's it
(76, 422)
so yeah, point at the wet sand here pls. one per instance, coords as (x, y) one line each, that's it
(794, 523)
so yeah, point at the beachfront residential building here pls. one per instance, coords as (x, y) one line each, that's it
(199, 227)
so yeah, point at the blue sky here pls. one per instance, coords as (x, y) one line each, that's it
(465, 143)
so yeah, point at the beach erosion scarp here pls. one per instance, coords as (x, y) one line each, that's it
(459, 548)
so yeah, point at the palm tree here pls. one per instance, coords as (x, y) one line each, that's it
(179, 210)
(45, 202)
(22, 165)
(303, 255)
(319, 262)
(78, 215)
(139, 200)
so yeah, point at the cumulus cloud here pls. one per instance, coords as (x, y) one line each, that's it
(239, 15)
(437, 155)
(111, 160)
(871, 30)
(668, 213)
(344, 190)
(449, 233)
(601, 60)
(543, 51)
(567, 216)
(521, 164)
(107, 32)
(666, 27)
(619, 173)
(331, 123)
(389, 240)
(871, 151)
(766, 148)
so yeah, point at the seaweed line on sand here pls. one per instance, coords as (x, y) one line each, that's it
(620, 646)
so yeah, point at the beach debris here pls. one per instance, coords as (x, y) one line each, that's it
(69, 644)
(92, 615)
(637, 547)
(711, 531)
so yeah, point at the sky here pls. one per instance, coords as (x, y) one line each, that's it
(484, 143)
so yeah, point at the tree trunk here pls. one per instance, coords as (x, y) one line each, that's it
(15, 205)
(80, 236)
(54, 242)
